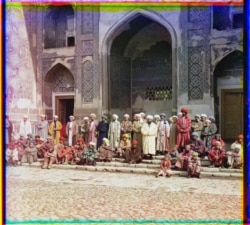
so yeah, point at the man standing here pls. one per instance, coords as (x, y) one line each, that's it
(126, 126)
(137, 124)
(25, 126)
(114, 132)
(92, 128)
(42, 127)
(85, 129)
(197, 125)
(71, 131)
(149, 132)
(55, 129)
(102, 129)
(183, 128)
(162, 144)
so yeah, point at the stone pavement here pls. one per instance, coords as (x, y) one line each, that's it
(36, 196)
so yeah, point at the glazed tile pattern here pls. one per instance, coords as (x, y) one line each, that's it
(61, 195)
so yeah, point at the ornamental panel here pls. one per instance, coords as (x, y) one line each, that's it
(87, 82)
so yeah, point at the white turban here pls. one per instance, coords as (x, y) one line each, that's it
(237, 146)
(126, 115)
(72, 117)
(55, 116)
(204, 115)
(138, 115)
(92, 114)
(42, 115)
(156, 116)
(150, 117)
(25, 116)
(115, 116)
(197, 115)
(85, 118)
(92, 143)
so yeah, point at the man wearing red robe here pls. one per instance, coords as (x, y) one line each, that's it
(183, 129)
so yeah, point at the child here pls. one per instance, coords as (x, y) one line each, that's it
(165, 167)
(194, 166)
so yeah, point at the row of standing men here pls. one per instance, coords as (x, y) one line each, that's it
(154, 134)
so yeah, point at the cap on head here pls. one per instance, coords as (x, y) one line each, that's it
(150, 117)
(195, 134)
(134, 142)
(92, 143)
(240, 136)
(184, 110)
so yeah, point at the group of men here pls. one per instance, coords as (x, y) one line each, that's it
(143, 137)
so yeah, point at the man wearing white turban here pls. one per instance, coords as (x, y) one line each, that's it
(71, 131)
(114, 132)
(25, 126)
(149, 132)
(42, 127)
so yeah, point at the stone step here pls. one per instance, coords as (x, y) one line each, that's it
(138, 170)
(118, 162)
(204, 162)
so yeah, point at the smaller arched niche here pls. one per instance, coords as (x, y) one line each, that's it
(59, 27)
(58, 79)
(228, 89)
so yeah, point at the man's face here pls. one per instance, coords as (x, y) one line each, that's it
(194, 137)
(42, 118)
(241, 140)
(187, 147)
(24, 119)
(197, 118)
(149, 120)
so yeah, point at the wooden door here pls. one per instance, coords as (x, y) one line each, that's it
(232, 115)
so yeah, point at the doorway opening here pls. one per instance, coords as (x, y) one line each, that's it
(64, 107)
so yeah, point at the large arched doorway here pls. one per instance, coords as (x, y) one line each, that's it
(229, 96)
(140, 68)
(58, 92)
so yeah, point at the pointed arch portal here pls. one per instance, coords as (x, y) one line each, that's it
(140, 67)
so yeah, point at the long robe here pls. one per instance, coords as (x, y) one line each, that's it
(114, 133)
(102, 129)
(42, 127)
(126, 128)
(162, 143)
(183, 128)
(92, 131)
(25, 128)
(173, 135)
(85, 131)
(71, 132)
(137, 135)
(57, 132)
(149, 132)
(197, 126)
(198, 146)
(105, 153)
(207, 134)
(216, 156)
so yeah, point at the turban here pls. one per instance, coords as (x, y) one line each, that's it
(126, 115)
(61, 139)
(218, 135)
(92, 143)
(25, 116)
(72, 117)
(211, 118)
(184, 110)
(92, 114)
(174, 117)
(240, 136)
(55, 116)
(138, 115)
(125, 135)
(134, 142)
(142, 113)
(156, 116)
(195, 134)
(85, 118)
(104, 117)
(42, 115)
(106, 140)
(163, 114)
(149, 117)
(197, 115)
(115, 116)
(203, 115)
(79, 140)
